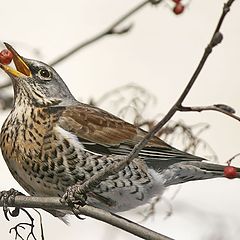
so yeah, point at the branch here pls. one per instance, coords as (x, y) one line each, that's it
(108, 31)
(111, 30)
(215, 40)
(53, 203)
(113, 219)
(217, 107)
(120, 163)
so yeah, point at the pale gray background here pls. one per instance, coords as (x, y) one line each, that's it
(159, 54)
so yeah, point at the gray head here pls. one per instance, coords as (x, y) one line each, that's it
(36, 83)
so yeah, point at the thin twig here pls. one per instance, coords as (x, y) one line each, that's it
(232, 158)
(108, 31)
(22, 225)
(113, 169)
(209, 108)
(53, 203)
(41, 223)
(216, 39)
(113, 219)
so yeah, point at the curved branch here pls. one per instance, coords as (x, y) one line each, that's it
(108, 31)
(102, 215)
(119, 165)
(215, 40)
(216, 108)
(111, 30)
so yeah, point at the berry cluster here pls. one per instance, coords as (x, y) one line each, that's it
(178, 7)
(5, 57)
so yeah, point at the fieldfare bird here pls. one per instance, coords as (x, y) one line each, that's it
(50, 141)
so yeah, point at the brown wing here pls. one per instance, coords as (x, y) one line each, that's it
(98, 126)
(103, 133)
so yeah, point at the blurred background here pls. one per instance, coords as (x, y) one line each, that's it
(158, 55)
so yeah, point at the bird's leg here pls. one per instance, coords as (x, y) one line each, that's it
(8, 198)
(74, 195)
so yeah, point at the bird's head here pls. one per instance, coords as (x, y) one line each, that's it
(36, 83)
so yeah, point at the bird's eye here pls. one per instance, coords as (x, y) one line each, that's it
(44, 74)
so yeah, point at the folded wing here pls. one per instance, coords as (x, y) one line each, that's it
(103, 133)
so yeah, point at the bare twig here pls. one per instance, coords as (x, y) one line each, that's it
(151, 210)
(53, 203)
(113, 219)
(23, 225)
(232, 158)
(41, 223)
(113, 169)
(216, 39)
(218, 107)
(112, 29)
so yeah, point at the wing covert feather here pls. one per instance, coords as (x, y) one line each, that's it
(99, 126)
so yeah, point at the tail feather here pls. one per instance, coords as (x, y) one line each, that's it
(168, 157)
(193, 170)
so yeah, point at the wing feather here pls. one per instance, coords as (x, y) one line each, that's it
(104, 133)
(98, 126)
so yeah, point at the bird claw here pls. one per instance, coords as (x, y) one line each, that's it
(74, 195)
(8, 198)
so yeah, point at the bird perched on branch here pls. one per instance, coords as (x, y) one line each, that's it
(50, 142)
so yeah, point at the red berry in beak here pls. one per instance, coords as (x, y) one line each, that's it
(5, 57)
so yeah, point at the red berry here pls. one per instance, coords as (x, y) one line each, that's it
(179, 8)
(230, 172)
(177, 1)
(6, 57)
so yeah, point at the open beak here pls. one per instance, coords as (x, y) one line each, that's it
(22, 70)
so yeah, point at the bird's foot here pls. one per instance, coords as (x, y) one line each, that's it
(74, 195)
(8, 198)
